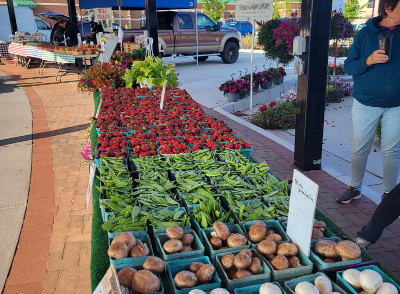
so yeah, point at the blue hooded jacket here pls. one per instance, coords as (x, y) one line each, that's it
(377, 85)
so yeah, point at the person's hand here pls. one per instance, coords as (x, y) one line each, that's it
(377, 56)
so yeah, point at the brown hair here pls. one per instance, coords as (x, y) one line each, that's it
(386, 4)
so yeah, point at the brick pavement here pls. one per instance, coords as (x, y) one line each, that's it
(350, 217)
(65, 258)
(68, 252)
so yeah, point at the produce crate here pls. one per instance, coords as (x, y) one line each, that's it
(320, 265)
(163, 230)
(343, 283)
(244, 282)
(132, 261)
(290, 273)
(176, 266)
(246, 152)
(327, 234)
(291, 285)
(255, 289)
(271, 225)
(198, 248)
(140, 267)
(206, 235)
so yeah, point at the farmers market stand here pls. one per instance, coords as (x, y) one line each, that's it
(100, 261)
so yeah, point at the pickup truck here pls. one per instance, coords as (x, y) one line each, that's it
(177, 35)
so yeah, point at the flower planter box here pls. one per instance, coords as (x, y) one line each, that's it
(277, 81)
(232, 97)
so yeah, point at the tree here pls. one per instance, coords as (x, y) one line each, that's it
(214, 8)
(353, 8)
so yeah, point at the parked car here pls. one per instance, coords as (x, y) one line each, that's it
(244, 27)
(26, 22)
(177, 35)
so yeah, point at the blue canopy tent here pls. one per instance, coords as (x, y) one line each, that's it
(151, 6)
(138, 4)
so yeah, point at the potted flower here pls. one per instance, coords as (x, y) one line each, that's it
(231, 90)
(244, 87)
(276, 77)
(266, 79)
(282, 73)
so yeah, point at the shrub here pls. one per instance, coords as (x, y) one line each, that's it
(246, 42)
(339, 69)
(342, 51)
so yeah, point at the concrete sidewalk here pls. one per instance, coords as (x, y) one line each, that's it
(15, 168)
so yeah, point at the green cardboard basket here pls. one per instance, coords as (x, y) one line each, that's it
(133, 261)
(255, 289)
(342, 282)
(231, 285)
(320, 265)
(206, 234)
(290, 273)
(140, 267)
(291, 285)
(271, 225)
(176, 266)
(198, 248)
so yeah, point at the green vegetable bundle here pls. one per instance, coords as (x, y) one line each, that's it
(179, 162)
(209, 212)
(168, 217)
(129, 218)
(252, 211)
(280, 207)
(151, 163)
(269, 185)
(241, 194)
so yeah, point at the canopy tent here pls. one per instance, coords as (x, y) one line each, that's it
(138, 4)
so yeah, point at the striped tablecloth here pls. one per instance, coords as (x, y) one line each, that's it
(18, 49)
(34, 52)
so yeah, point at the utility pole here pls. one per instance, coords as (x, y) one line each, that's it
(151, 23)
(11, 13)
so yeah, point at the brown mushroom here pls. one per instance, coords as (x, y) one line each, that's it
(316, 234)
(205, 273)
(236, 240)
(319, 225)
(175, 232)
(118, 250)
(125, 276)
(257, 231)
(195, 266)
(241, 274)
(154, 264)
(187, 239)
(294, 262)
(173, 246)
(139, 251)
(185, 279)
(187, 249)
(246, 251)
(227, 260)
(328, 260)
(216, 242)
(255, 267)
(221, 230)
(326, 248)
(242, 261)
(145, 281)
(127, 238)
(348, 250)
(287, 249)
(269, 232)
(280, 262)
(266, 247)
(274, 237)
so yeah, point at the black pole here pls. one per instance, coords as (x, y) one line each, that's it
(151, 23)
(11, 13)
(72, 11)
(311, 89)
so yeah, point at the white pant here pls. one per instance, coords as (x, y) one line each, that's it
(365, 122)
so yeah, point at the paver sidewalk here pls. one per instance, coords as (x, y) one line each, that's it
(60, 117)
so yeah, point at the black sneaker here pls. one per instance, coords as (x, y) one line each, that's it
(384, 195)
(362, 243)
(351, 194)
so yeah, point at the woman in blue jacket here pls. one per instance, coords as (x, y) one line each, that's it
(377, 96)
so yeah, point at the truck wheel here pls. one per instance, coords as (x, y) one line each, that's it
(230, 53)
(202, 58)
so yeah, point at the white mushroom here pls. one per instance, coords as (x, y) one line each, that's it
(269, 288)
(306, 288)
(387, 288)
(352, 276)
(323, 284)
(370, 280)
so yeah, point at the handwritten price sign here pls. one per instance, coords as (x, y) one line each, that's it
(254, 10)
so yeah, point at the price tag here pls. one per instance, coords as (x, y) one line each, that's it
(303, 200)
(109, 283)
(163, 95)
(92, 168)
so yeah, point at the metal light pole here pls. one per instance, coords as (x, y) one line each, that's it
(72, 11)
(311, 90)
(151, 23)
(11, 13)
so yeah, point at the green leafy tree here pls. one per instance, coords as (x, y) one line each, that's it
(214, 8)
(353, 8)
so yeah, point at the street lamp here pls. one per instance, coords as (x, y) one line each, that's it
(142, 19)
(230, 19)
